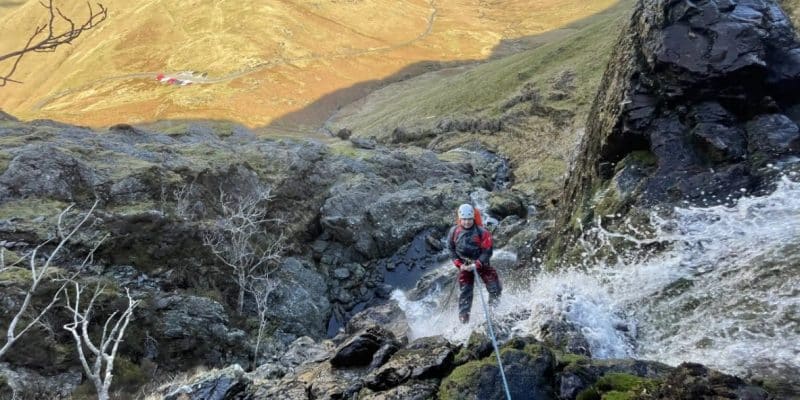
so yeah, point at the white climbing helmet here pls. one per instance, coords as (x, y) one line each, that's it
(466, 211)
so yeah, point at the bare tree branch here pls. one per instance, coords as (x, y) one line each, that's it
(53, 39)
(100, 372)
(260, 287)
(235, 239)
(38, 274)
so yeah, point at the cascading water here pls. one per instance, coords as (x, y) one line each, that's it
(725, 292)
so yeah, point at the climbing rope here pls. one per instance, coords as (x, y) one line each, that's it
(491, 332)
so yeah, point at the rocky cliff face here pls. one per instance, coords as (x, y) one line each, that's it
(698, 104)
(341, 209)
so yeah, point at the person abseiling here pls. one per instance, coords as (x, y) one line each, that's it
(471, 244)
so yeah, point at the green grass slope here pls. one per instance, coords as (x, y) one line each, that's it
(481, 90)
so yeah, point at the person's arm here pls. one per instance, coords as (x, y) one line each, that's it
(451, 247)
(486, 248)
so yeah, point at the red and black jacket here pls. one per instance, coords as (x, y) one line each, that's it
(474, 243)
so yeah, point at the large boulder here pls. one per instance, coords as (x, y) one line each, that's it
(195, 329)
(300, 302)
(361, 349)
(425, 358)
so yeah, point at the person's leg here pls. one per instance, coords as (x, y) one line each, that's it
(466, 282)
(489, 277)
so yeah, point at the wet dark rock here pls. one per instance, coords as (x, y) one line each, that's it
(383, 354)
(425, 358)
(573, 380)
(360, 349)
(218, 385)
(720, 142)
(773, 134)
(694, 381)
(565, 336)
(389, 316)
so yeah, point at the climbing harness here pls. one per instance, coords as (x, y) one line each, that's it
(491, 333)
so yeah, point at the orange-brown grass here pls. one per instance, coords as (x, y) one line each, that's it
(264, 60)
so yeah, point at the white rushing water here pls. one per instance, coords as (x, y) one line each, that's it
(725, 293)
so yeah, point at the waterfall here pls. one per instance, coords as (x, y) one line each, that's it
(725, 292)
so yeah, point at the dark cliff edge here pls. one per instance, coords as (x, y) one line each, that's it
(697, 106)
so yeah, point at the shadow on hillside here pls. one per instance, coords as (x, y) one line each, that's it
(312, 118)
(11, 4)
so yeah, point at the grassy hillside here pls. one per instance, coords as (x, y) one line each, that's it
(262, 60)
(792, 9)
(481, 90)
(538, 144)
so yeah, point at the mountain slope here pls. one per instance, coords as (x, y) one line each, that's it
(262, 61)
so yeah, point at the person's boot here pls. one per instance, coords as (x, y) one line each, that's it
(464, 318)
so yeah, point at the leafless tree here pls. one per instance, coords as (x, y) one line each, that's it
(103, 354)
(38, 275)
(260, 287)
(52, 38)
(240, 241)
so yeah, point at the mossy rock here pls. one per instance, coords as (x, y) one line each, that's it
(528, 366)
(16, 275)
(564, 360)
(31, 208)
(477, 347)
(504, 204)
(457, 385)
(619, 386)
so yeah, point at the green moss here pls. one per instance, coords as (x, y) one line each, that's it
(30, 208)
(618, 386)
(346, 149)
(452, 386)
(615, 395)
(16, 275)
(566, 359)
(792, 9)
(5, 161)
(588, 394)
